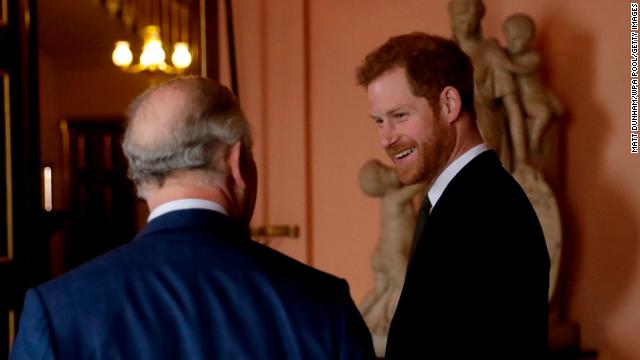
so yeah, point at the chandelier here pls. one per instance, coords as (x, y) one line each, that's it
(153, 56)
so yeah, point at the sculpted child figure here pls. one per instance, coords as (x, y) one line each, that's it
(498, 111)
(389, 261)
(539, 103)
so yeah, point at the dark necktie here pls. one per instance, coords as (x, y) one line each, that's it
(423, 214)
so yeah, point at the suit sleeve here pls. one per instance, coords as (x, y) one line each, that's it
(33, 341)
(355, 338)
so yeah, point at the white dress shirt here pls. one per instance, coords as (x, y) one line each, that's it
(443, 180)
(183, 204)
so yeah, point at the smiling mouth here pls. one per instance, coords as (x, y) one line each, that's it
(404, 153)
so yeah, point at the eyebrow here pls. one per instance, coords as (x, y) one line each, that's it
(390, 112)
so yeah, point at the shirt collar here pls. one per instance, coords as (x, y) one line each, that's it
(183, 204)
(451, 171)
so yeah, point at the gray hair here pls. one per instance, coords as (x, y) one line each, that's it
(213, 121)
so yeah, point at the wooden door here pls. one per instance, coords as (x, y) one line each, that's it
(102, 201)
(7, 268)
(22, 252)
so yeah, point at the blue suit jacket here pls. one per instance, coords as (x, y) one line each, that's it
(192, 285)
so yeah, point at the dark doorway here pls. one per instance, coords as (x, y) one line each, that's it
(23, 254)
(102, 201)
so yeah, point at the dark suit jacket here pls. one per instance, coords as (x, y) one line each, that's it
(476, 287)
(192, 285)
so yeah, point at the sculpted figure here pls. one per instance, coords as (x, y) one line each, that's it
(495, 89)
(389, 261)
(539, 103)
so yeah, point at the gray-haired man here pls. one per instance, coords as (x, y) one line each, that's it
(192, 285)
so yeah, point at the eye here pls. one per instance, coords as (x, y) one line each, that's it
(400, 116)
(378, 122)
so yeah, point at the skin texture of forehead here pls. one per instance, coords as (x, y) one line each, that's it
(159, 115)
(389, 91)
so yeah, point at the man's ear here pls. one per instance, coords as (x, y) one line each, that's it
(450, 104)
(235, 164)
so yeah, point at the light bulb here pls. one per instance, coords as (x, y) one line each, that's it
(122, 55)
(181, 57)
(152, 54)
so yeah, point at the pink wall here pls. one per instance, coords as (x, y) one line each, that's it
(584, 44)
(272, 92)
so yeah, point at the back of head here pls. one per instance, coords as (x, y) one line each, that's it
(185, 124)
(431, 64)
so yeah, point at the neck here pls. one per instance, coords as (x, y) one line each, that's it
(467, 136)
(172, 190)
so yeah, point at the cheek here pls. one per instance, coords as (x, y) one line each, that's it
(380, 134)
(419, 132)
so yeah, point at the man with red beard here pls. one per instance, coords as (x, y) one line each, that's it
(477, 281)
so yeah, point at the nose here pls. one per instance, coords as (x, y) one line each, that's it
(387, 135)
